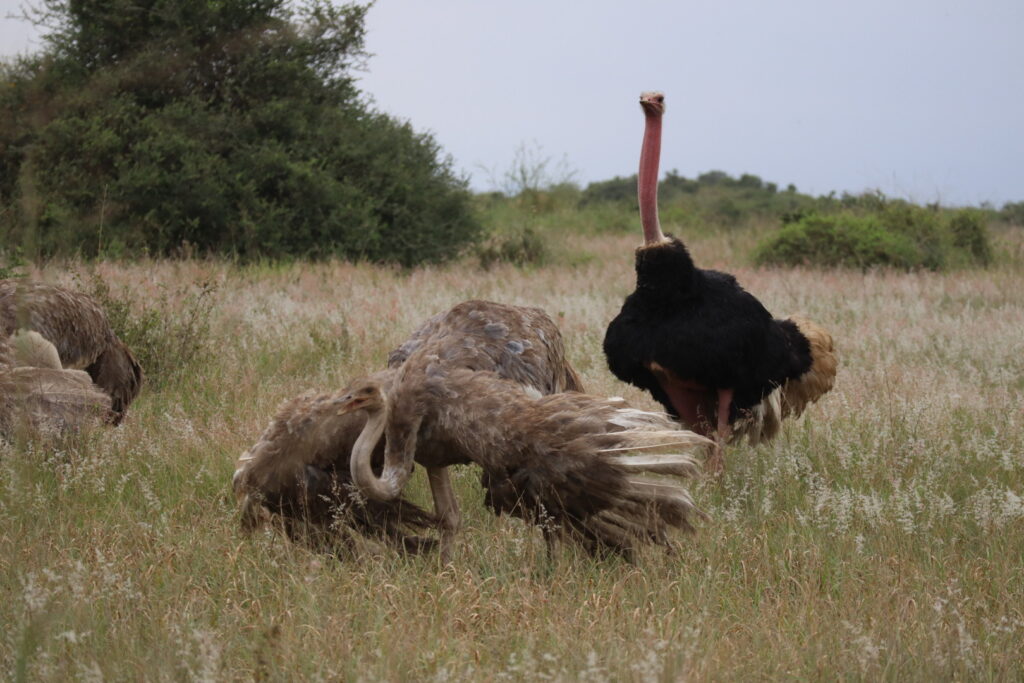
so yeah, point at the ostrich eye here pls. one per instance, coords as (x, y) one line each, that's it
(659, 98)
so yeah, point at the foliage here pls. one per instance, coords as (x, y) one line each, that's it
(899, 235)
(12, 265)
(230, 127)
(1013, 213)
(714, 200)
(522, 247)
(169, 335)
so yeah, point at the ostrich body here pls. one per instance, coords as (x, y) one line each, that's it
(44, 399)
(299, 470)
(704, 347)
(79, 329)
(300, 467)
(489, 384)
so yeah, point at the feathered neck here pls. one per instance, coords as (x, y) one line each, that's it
(665, 270)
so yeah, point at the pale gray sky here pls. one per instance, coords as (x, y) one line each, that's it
(918, 98)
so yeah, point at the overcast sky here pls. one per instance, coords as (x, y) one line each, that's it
(919, 98)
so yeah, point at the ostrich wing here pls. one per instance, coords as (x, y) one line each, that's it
(562, 461)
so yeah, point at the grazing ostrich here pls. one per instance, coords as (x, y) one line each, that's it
(78, 327)
(705, 348)
(44, 399)
(481, 386)
(299, 470)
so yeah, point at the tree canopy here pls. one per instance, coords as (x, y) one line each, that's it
(220, 126)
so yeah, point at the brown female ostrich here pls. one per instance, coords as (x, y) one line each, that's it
(300, 470)
(78, 327)
(557, 459)
(44, 399)
(705, 348)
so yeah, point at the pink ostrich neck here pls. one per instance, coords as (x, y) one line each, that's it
(647, 179)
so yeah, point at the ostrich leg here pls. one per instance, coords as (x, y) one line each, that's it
(446, 508)
(717, 461)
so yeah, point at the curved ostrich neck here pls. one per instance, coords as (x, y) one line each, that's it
(647, 179)
(394, 476)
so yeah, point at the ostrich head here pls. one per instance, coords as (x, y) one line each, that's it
(369, 394)
(363, 394)
(653, 105)
(652, 102)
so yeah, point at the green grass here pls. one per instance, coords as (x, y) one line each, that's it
(880, 537)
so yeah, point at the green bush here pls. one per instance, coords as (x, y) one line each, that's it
(900, 235)
(1013, 213)
(970, 236)
(232, 127)
(522, 247)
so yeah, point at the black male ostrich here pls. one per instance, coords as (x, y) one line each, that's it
(703, 346)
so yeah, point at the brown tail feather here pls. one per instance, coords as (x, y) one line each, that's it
(586, 487)
(799, 393)
(764, 420)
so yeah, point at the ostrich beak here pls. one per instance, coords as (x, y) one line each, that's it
(350, 403)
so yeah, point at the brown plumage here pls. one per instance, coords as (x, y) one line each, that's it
(78, 327)
(302, 459)
(45, 400)
(518, 343)
(31, 349)
(561, 461)
(298, 471)
(469, 389)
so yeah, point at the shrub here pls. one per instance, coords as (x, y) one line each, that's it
(232, 127)
(169, 339)
(901, 235)
(970, 237)
(1013, 213)
(838, 240)
(520, 247)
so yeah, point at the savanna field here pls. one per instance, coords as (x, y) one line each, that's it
(880, 537)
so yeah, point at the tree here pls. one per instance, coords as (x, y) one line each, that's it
(231, 126)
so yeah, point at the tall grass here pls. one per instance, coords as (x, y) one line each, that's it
(881, 537)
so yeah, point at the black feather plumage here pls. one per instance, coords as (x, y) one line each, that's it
(704, 327)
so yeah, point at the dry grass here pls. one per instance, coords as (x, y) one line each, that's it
(881, 537)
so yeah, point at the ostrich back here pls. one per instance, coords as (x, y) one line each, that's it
(518, 343)
(45, 400)
(73, 322)
(78, 327)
